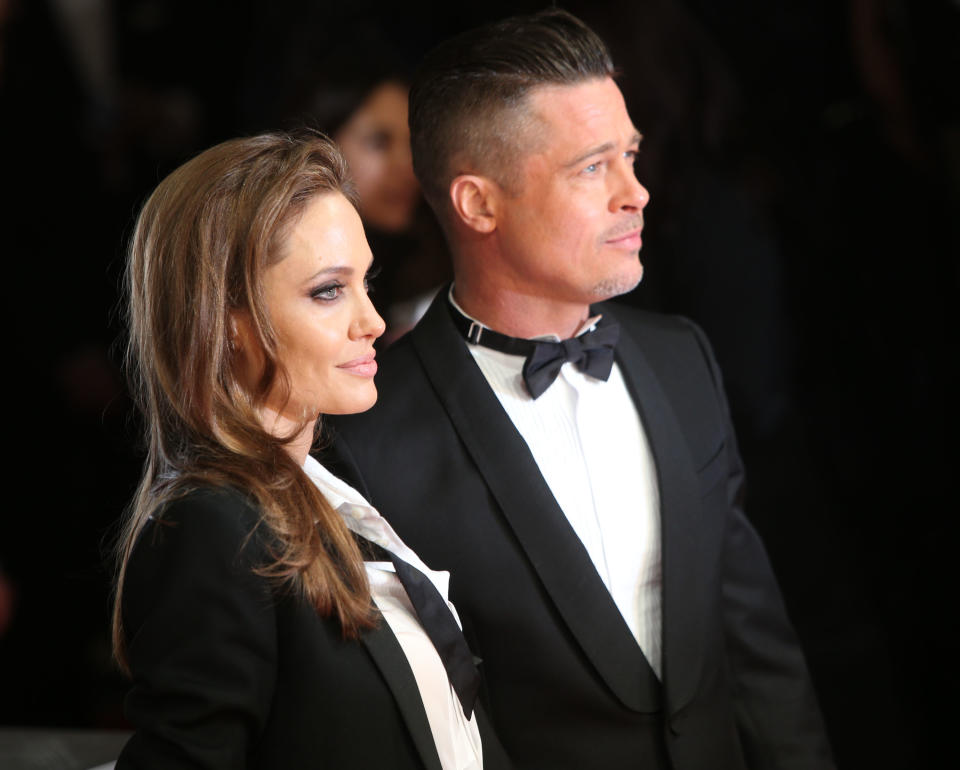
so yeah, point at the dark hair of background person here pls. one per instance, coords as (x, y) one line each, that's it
(363, 109)
(197, 257)
(325, 93)
(459, 99)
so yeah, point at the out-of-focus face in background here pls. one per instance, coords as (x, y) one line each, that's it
(376, 143)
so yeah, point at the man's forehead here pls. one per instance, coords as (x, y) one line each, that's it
(583, 95)
(590, 113)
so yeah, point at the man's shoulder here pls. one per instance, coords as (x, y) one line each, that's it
(659, 334)
(400, 353)
(400, 369)
(647, 320)
(434, 330)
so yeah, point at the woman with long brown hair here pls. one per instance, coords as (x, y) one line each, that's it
(262, 605)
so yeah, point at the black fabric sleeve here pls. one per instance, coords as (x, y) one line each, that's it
(777, 712)
(201, 636)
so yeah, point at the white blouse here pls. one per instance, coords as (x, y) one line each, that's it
(457, 738)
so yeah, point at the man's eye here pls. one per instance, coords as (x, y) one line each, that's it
(592, 168)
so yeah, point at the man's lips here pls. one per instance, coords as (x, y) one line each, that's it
(626, 233)
(630, 240)
(365, 366)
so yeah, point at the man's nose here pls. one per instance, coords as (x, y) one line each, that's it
(629, 194)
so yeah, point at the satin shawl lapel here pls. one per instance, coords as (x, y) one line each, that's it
(546, 536)
(685, 599)
(390, 659)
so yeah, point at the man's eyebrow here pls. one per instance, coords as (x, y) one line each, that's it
(600, 149)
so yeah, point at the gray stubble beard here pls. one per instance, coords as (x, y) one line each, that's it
(614, 287)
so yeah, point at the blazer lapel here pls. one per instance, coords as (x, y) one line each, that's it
(685, 601)
(512, 475)
(390, 659)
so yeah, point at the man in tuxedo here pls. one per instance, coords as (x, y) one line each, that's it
(572, 463)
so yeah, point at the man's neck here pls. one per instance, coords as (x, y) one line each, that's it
(520, 314)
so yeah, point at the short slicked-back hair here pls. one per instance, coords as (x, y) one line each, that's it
(468, 98)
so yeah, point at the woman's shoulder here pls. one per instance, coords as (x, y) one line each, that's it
(206, 505)
(210, 523)
(205, 541)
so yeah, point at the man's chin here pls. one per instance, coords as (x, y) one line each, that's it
(615, 286)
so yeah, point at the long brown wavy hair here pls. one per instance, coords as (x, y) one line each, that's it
(197, 256)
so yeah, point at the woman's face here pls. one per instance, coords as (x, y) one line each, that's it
(376, 143)
(324, 322)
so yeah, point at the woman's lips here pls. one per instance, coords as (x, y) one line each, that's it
(366, 366)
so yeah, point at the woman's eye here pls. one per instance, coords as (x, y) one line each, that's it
(327, 292)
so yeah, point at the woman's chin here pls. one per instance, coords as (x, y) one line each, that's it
(354, 405)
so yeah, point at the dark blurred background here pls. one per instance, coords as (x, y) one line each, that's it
(803, 158)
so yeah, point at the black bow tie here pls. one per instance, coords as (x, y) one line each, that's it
(591, 352)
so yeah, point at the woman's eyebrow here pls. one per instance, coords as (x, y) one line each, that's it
(344, 270)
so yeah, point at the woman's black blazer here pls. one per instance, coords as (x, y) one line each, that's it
(230, 672)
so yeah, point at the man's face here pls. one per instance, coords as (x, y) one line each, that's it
(571, 231)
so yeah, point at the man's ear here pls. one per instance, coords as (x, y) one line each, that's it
(475, 202)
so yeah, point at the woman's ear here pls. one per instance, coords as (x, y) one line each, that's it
(240, 330)
(475, 202)
(245, 347)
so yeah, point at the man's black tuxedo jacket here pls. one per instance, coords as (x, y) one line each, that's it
(230, 672)
(565, 682)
